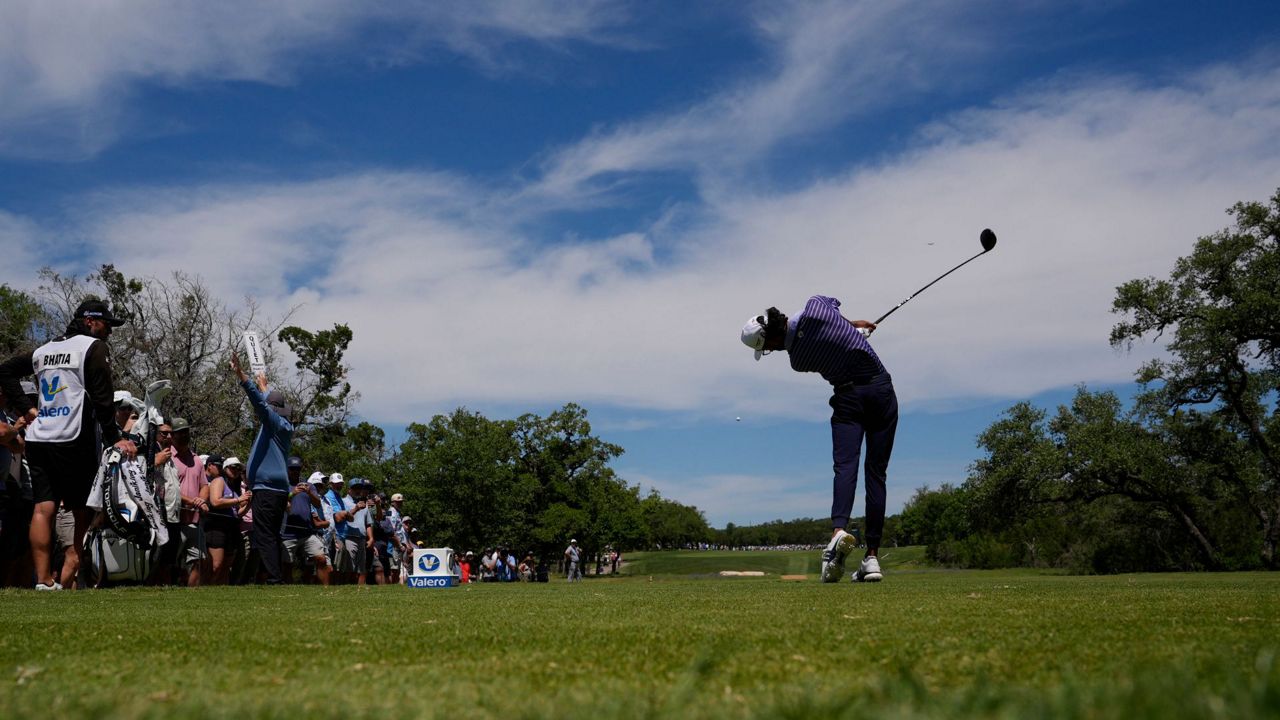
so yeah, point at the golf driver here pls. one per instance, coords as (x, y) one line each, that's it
(988, 240)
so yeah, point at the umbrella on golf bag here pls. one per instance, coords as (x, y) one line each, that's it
(123, 548)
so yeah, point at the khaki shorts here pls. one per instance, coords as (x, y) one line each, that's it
(302, 550)
(193, 549)
(356, 551)
(342, 560)
(65, 526)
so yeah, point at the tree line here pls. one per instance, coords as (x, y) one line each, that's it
(530, 483)
(1185, 476)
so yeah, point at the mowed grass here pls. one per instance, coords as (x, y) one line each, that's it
(693, 563)
(924, 643)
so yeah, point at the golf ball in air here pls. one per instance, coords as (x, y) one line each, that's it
(738, 419)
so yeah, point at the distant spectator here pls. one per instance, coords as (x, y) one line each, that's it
(268, 476)
(322, 521)
(195, 500)
(343, 563)
(505, 566)
(227, 505)
(383, 540)
(399, 539)
(358, 537)
(169, 490)
(303, 548)
(466, 568)
(489, 565)
(572, 561)
(526, 568)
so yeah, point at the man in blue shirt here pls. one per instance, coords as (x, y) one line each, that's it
(338, 515)
(359, 536)
(268, 474)
(303, 548)
(863, 407)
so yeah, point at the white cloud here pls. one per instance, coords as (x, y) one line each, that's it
(67, 68)
(19, 237)
(826, 62)
(1087, 185)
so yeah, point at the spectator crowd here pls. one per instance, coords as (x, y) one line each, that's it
(228, 520)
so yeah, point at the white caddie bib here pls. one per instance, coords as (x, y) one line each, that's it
(59, 367)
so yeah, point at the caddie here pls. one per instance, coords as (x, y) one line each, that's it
(863, 407)
(74, 420)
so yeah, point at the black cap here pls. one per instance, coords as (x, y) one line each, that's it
(98, 310)
(276, 400)
(213, 460)
(295, 463)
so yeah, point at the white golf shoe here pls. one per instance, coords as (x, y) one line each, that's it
(833, 557)
(868, 571)
(55, 585)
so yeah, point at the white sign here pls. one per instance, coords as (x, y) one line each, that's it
(257, 358)
(432, 568)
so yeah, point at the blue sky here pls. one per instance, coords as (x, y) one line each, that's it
(590, 198)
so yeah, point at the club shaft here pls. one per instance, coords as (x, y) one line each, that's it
(926, 287)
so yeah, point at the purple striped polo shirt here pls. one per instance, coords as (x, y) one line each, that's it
(821, 340)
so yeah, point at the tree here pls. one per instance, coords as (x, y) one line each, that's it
(177, 330)
(21, 319)
(458, 472)
(324, 397)
(564, 475)
(1221, 305)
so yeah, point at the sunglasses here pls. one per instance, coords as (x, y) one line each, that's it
(164, 432)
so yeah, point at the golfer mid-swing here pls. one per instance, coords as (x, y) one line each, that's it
(863, 405)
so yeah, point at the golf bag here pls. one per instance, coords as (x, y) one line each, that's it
(123, 547)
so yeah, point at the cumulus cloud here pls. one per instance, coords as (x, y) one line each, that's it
(1088, 185)
(825, 62)
(67, 69)
(456, 297)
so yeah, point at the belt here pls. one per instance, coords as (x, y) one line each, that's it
(860, 382)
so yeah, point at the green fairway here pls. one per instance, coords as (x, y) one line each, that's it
(933, 643)
(695, 563)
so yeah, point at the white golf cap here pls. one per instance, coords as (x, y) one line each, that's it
(573, 541)
(335, 478)
(122, 396)
(233, 460)
(317, 478)
(753, 334)
(397, 498)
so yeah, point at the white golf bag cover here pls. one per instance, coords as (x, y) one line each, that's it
(123, 547)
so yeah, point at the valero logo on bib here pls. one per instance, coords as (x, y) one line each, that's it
(428, 563)
(50, 388)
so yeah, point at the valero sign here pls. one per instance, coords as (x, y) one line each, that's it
(432, 568)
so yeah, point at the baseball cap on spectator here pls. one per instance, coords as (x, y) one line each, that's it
(294, 462)
(233, 460)
(356, 482)
(573, 542)
(178, 424)
(317, 478)
(275, 399)
(214, 460)
(336, 478)
(97, 310)
(397, 498)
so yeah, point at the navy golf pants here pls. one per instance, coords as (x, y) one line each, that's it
(861, 412)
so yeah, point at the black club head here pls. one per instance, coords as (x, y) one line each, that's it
(988, 239)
